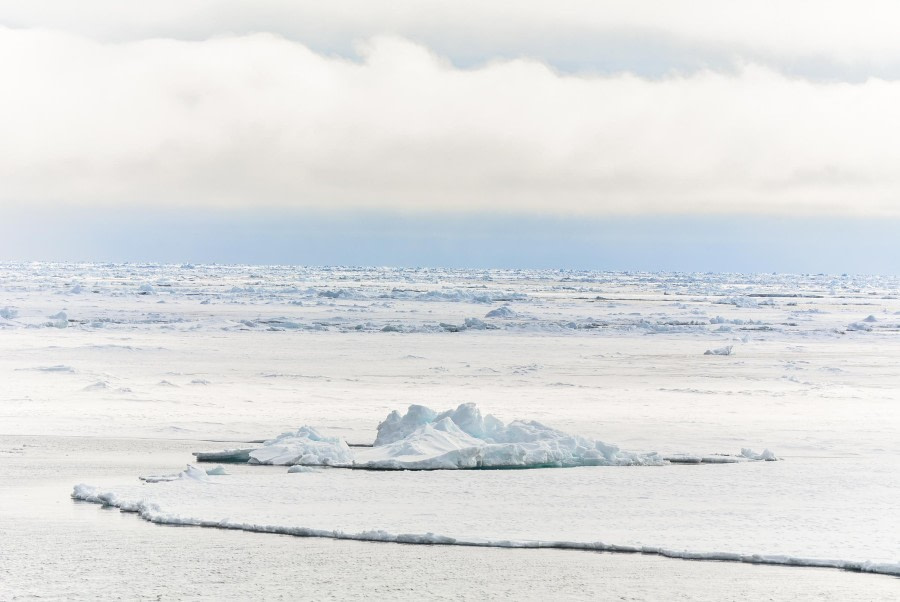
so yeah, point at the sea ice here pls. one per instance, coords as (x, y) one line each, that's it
(300, 468)
(728, 350)
(423, 439)
(504, 311)
(673, 513)
(766, 455)
(304, 446)
(191, 472)
(231, 456)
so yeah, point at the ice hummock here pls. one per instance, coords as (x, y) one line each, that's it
(423, 439)
(191, 472)
(727, 350)
(766, 455)
(305, 447)
(467, 417)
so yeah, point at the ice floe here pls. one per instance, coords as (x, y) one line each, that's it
(462, 438)
(343, 510)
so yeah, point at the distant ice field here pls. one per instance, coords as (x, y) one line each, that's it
(805, 365)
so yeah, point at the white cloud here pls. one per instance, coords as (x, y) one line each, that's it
(827, 37)
(260, 121)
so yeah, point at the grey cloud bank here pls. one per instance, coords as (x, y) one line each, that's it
(260, 121)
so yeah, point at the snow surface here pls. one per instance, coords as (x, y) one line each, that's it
(584, 508)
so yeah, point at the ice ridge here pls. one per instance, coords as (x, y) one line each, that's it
(153, 513)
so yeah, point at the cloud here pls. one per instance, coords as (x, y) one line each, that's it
(259, 121)
(819, 38)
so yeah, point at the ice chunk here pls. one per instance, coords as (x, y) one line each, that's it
(477, 324)
(8, 313)
(425, 440)
(59, 320)
(216, 470)
(396, 427)
(745, 302)
(728, 350)
(191, 472)
(466, 416)
(432, 446)
(766, 455)
(231, 456)
(300, 468)
(504, 311)
(100, 385)
(303, 446)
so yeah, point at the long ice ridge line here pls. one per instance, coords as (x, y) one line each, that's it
(152, 513)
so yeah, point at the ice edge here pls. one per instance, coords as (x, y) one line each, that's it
(154, 514)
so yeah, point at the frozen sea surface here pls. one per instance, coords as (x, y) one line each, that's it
(239, 354)
(54, 548)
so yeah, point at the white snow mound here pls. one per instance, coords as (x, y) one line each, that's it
(305, 446)
(504, 311)
(728, 350)
(422, 439)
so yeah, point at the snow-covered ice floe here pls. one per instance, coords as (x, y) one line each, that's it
(264, 506)
(423, 439)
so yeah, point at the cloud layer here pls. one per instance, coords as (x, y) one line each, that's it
(262, 121)
(827, 38)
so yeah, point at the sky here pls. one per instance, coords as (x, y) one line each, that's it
(703, 135)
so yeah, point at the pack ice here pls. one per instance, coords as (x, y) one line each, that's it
(423, 439)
